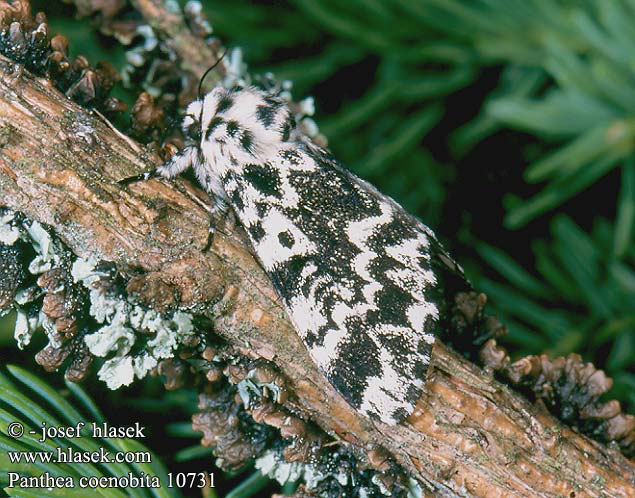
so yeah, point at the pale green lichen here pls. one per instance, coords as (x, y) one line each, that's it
(235, 69)
(313, 474)
(310, 127)
(9, 233)
(55, 339)
(108, 308)
(12, 229)
(25, 326)
(143, 363)
(41, 240)
(121, 319)
(270, 465)
(275, 467)
(195, 9)
(414, 489)
(138, 56)
(172, 6)
(83, 270)
(382, 489)
(111, 338)
(117, 372)
(170, 333)
(251, 391)
(307, 106)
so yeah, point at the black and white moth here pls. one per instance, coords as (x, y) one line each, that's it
(361, 279)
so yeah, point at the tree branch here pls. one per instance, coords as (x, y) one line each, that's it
(195, 55)
(470, 435)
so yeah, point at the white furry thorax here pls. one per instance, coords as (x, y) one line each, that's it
(241, 127)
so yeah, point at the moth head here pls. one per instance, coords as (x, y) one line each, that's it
(192, 122)
(248, 119)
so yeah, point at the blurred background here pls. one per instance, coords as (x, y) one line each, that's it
(507, 126)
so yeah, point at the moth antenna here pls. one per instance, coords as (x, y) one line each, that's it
(200, 82)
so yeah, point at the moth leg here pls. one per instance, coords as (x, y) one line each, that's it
(174, 166)
(217, 215)
(137, 178)
(178, 163)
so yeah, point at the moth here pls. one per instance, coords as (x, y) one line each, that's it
(362, 280)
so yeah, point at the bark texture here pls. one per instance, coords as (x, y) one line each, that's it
(470, 435)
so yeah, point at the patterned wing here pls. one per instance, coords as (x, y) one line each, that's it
(356, 272)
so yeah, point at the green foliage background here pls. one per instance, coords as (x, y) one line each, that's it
(508, 126)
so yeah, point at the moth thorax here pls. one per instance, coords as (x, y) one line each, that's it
(249, 120)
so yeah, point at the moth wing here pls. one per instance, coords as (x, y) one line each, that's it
(355, 271)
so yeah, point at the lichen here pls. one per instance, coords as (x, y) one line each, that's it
(270, 465)
(9, 233)
(414, 489)
(114, 337)
(193, 11)
(140, 55)
(64, 294)
(251, 390)
(41, 241)
(117, 372)
(235, 69)
(25, 326)
(124, 321)
(14, 230)
(334, 473)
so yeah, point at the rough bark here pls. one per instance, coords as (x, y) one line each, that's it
(470, 436)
